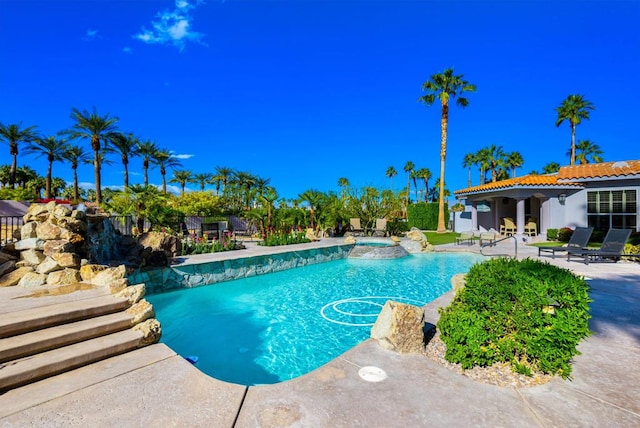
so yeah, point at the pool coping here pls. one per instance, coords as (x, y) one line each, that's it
(154, 385)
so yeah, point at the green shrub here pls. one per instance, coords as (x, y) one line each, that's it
(564, 234)
(284, 238)
(552, 234)
(528, 313)
(397, 226)
(424, 216)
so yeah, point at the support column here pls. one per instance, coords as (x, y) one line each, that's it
(544, 215)
(520, 217)
(474, 215)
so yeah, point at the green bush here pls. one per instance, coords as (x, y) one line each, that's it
(528, 313)
(564, 234)
(552, 234)
(397, 226)
(282, 238)
(424, 216)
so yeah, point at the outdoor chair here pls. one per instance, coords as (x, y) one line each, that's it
(611, 248)
(487, 238)
(465, 237)
(531, 228)
(356, 227)
(381, 227)
(578, 241)
(507, 227)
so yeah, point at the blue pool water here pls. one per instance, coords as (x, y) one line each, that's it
(270, 328)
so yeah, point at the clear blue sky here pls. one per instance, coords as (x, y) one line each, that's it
(304, 92)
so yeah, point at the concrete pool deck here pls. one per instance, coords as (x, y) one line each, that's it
(154, 386)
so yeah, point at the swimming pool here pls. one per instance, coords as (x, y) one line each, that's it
(270, 328)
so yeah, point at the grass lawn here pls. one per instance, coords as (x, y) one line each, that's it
(436, 238)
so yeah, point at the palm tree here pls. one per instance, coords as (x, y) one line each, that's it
(573, 109)
(75, 155)
(586, 150)
(343, 182)
(467, 162)
(182, 176)
(51, 147)
(514, 160)
(496, 160)
(551, 168)
(13, 135)
(391, 172)
(425, 174)
(414, 178)
(223, 174)
(146, 150)
(202, 178)
(5, 175)
(97, 129)
(25, 174)
(126, 146)
(445, 86)
(483, 160)
(408, 168)
(164, 159)
(314, 199)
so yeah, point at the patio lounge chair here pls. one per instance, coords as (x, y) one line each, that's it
(578, 241)
(356, 227)
(611, 248)
(508, 227)
(487, 238)
(531, 228)
(381, 227)
(465, 237)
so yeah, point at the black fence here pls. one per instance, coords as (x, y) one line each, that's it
(8, 225)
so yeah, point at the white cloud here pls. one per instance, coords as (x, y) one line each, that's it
(91, 35)
(183, 156)
(172, 27)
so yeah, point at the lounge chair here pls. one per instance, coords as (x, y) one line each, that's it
(578, 241)
(531, 228)
(465, 237)
(381, 227)
(611, 248)
(487, 238)
(508, 227)
(356, 227)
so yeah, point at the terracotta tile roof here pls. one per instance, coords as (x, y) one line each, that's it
(600, 170)
(524, 181)
(566, 176)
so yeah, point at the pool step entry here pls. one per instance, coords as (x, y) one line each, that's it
(43, 342)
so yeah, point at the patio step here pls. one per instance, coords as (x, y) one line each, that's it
(61, 335)
(28, 320)
(32, 368)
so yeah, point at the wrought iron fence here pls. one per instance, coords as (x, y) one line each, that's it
(8, 225)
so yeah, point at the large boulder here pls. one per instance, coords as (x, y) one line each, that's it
(12, 278)
(416, 234)
(67, 260)
(48, 265)
(158, 241)
(32, 280)
(28, 230)
(63, 277)
(109, 275)
(400, 328)
(32, 257)
(140, 311)
(458, 281)
(89, 271)
(57, 246)
(7, 267)
(29, 243)
(151, 332)
(132, 293)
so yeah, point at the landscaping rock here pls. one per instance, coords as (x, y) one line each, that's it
(61, 211)
(57, 246)
(151, 332)
(65, 276)
(32, 257)
(458, 281)
(29, 244)
(89, 271)
(28, 230)
(159, 241)
(7, 267)
(109, 275)
(12, 278)
(48, 265)
(140, 312)
(133, 293)
(400, 328)
(67, 260)
(32, 280)
(118, 285)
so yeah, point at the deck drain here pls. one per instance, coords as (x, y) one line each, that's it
(372, 374)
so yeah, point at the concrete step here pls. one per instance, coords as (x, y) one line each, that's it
(27, 320)
(62, 335)
(33, 368)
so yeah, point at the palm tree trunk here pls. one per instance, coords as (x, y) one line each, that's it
(145, 167)
(573, 144)
(14, 164)
(47, 187)
(469, 178)
(76, 193)
(96, 166)
(443, 154)
(126, 174)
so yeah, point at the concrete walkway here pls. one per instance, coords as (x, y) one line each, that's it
(154, 386)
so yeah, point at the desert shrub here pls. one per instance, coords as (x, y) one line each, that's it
(275, 238)
(528, 313)
(552, 234)
(397, 226)
(564, 234)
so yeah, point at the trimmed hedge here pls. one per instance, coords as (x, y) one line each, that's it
(528, 313)
(424, 216)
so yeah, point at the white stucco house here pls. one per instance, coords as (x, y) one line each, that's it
(602, 195)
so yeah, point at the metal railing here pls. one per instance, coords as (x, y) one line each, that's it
(8, 225)
(494, 243)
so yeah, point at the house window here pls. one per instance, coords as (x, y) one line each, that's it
(612, 209)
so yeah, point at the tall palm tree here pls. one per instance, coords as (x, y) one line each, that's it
(496, 161)
(467, 162)
(222, 177)
(445, 86)
(98, 129)
(13, 135)
(514, 160)
(408, 168)
(76, 155)
(414, 178)
(483, 160)
(588, 151)
(164, 159)
(51, 147)
(551, 168)
(391, 172)
(146, 150)
(203, 178)
(182, 176)
(314, 199)
(425, 174)
(573, 109)
(126, 145)
(343, 183)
